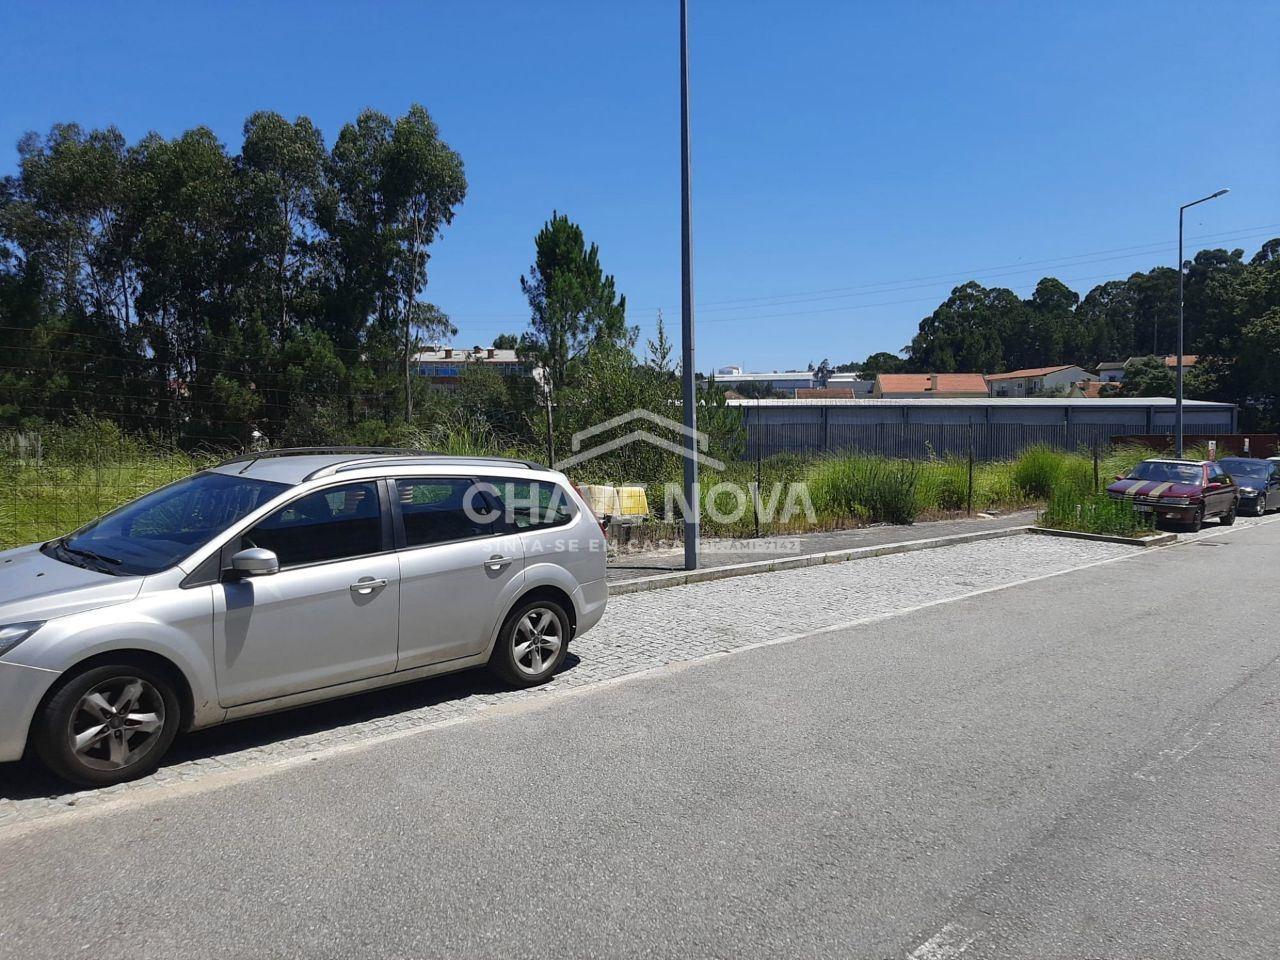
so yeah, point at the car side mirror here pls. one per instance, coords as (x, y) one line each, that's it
(255, 562)
(1119, 476)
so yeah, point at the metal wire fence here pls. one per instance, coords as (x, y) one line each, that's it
(921, 441)
(48, 489)
(43, 496)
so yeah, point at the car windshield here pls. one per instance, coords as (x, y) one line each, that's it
(1168, 472)
(154, 532)
(1258, 469)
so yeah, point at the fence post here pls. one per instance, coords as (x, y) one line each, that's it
(1096, 479)
(970, 508)
(755, 500)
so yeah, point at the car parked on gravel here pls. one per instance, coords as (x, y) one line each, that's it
(1258, 480)
(1184, 491)
(280, 579)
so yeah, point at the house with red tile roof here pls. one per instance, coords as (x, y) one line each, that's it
(1037, 381)
(900, 386)
(1094, 389)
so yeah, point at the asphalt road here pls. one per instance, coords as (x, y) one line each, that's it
(1081, 766)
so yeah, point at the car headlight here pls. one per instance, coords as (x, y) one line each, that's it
(12, 634)
(1177, 501)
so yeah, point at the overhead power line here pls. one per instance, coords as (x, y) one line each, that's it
(921, 282)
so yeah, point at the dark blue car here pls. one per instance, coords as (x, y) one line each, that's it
(1259, 483)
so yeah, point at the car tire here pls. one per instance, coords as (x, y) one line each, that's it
(1228, 518)
(1262, 505)
(532, 644)
(107, 724)
(1196, 521)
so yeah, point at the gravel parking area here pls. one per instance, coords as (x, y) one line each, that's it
(639, 632)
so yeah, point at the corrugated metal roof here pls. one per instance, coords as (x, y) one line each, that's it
(1092, 404)
(777, 375)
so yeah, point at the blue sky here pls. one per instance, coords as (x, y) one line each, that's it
(852, 161)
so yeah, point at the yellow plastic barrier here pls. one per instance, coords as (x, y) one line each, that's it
(601, 498)
(632, 501)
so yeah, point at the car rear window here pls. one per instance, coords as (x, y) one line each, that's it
(445, 509)
(532, 504)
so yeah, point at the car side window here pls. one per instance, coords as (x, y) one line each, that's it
(331, 524)
(533, 504)
(445, 509)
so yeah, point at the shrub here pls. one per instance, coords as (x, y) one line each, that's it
(993, 484)
(866, 488)
(944, 484)
(1076, 474)
(1036, 471)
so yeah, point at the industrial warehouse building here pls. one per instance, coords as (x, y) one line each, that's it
(996, 428)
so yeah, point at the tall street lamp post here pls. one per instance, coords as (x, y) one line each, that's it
(689, 384)
(1182, 210)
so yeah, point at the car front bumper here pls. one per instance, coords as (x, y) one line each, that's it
(21, 690)
(1177, 512)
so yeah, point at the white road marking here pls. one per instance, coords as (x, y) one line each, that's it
(1191, 740)
(948, 943)
(217, 779)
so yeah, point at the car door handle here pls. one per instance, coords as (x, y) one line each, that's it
(366, 585)
(497, 562)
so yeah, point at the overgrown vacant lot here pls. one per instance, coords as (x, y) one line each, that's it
(75, 474)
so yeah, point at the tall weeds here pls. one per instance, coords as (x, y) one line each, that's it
(1094, 513)
(866, 488)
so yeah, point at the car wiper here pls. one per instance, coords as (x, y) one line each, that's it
(90, 555)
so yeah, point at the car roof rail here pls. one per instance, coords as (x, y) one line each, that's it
(422, 459)
(324, 451)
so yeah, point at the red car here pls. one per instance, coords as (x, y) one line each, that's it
(1185, 491)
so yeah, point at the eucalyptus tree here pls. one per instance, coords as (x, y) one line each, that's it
(284, 166)
(391, 187)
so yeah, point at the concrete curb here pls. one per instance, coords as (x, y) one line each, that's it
(682, 577)
(1159, 540)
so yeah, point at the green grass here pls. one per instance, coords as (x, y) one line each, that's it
(39, 501)
(1094, 513)
(866, 488)
(79, 472)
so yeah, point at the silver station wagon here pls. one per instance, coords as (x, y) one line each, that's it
(280, 579)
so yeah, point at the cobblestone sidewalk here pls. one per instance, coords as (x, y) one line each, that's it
(639, 632)
(720, 552)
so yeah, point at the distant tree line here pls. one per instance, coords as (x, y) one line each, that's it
(203, 296)
(1232, 321)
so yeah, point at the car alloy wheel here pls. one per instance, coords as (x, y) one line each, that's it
(537, 641)
(108, 724)
(116, 723)
(532, 644)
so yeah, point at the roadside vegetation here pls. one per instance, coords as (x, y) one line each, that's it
(53, 482)
(1094, 513)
